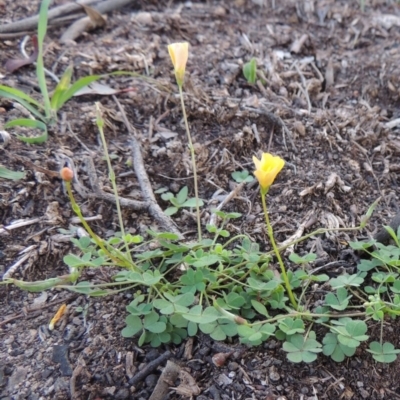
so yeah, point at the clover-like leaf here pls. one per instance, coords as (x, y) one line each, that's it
(290, 326)
(352, 333)
(133, 326)
(384, 353)
(242, 176)
(366, 265)
(295, 258)
(301, 349)
(340, 301)
(335, 349)
(346, 280)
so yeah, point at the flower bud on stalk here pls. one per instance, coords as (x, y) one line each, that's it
(179, 53)
(66, 174)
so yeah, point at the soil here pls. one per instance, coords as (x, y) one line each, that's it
(327, 103)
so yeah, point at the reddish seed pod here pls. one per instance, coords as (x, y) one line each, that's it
(219, 359)
(66, 174)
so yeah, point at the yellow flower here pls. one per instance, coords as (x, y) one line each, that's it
(179, 53)
(267, 169)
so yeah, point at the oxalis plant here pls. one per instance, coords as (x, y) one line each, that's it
(226, 287)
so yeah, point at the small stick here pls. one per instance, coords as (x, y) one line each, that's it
(149, 368)
(168, 376)
(31, 22)
(152, 206)
(304, 88)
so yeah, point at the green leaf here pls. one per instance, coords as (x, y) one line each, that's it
(164, 306)
(12, 175)
(260, 308)
(367, 265)
(346, 280)
(133, 326)
(250, 71)
(361, 245)
(192, 328)
(352, 333)
(182, 195)
(61, 88)
(157, 327)
(291, 326)
(242, 176)
(234, 300)
(167, 196)
(369, 212)
(170, 211)
(384, 353)
(207, 328)
(384, 277)
(197, 315)
(336, 350)
(301, 349)
(192, 203)
(30, 123)
(206, 260)
(17, 95)
(76, 86)
(142, 338)
(218, 333)
(340, 301)
(392, 233)
(302, 259)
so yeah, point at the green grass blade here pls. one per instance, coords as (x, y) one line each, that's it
(24, 103)
(17, 94)
(42, 28)
(61, 88)
(8, 174)
(30, 123)
(79, 84)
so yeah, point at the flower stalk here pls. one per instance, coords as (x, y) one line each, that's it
(179, 53)
(266, 171)
(276, 251)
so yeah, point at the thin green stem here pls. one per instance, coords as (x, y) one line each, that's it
(111, 174)
(278, 256)
(191, 148)
(308, 316)
(78, 212)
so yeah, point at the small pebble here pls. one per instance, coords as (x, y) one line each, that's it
(233, 366)
(273, 374)
(122, 394)
(151, 380)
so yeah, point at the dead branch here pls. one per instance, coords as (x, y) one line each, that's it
(152, 206)
(31, 22)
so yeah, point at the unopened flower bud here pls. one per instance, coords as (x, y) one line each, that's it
(67, 174)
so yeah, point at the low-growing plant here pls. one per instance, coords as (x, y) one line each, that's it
(250, 71)
(227, 286)
(181, 200)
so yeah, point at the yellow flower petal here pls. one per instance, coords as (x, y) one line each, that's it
(267, 169)
(179, 53)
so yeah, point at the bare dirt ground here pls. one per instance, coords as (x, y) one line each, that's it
(327, 106)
